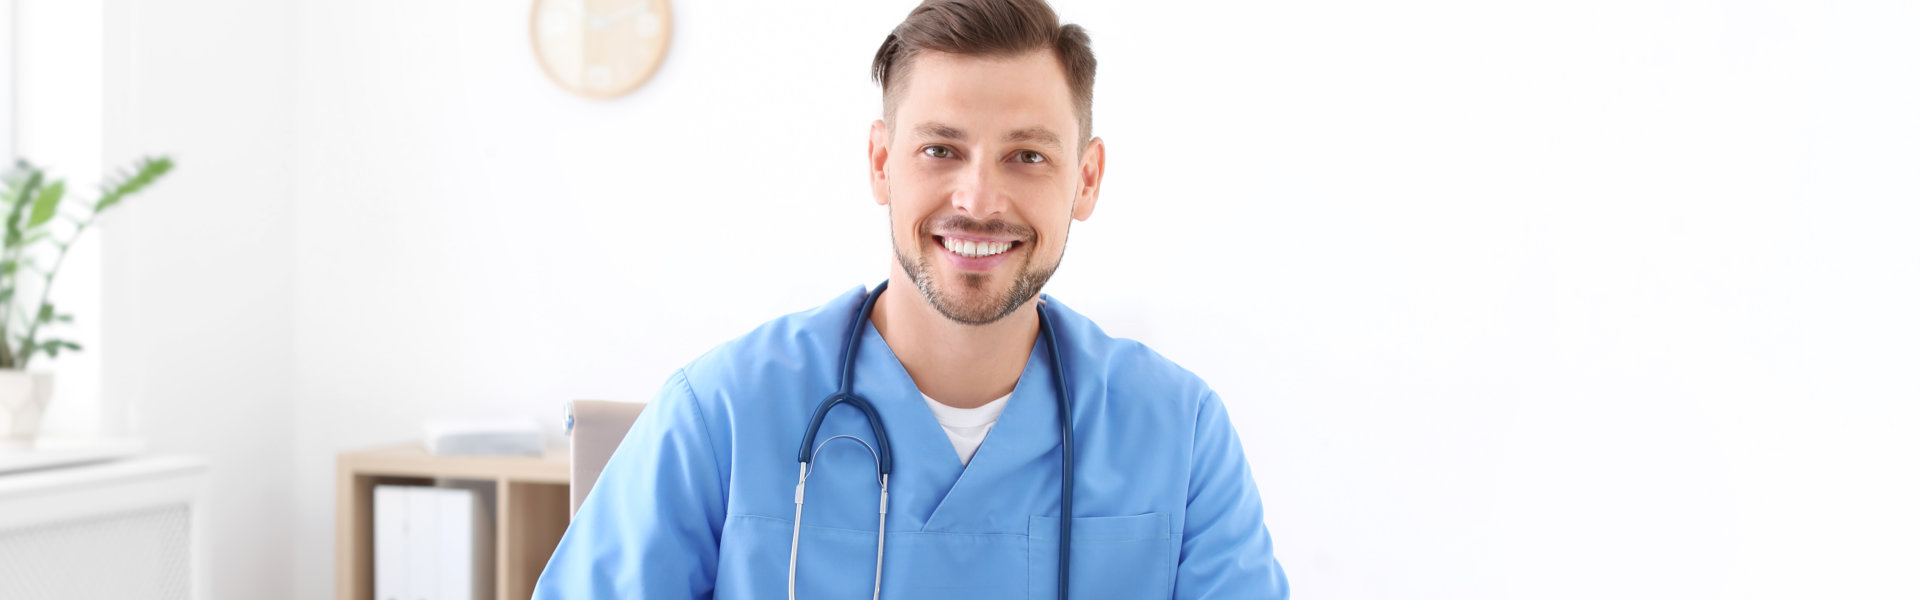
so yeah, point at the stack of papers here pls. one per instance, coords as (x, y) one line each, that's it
(486, 438)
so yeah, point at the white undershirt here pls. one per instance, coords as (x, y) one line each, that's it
(967, 427)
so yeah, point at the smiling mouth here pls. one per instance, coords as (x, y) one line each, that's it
(975, 249)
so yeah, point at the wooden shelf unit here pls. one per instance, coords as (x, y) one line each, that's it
(529, 517)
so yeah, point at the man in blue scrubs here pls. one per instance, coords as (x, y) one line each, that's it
(983, 158)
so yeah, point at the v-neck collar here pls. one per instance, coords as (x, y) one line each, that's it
(928, 480)
(979, 416)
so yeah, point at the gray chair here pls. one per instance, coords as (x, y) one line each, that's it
(594, 430)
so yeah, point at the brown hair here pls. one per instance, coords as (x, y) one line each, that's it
(994, 28)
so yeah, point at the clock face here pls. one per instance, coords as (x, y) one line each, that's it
(600, 48)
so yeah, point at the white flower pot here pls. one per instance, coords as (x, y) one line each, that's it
(23, 401)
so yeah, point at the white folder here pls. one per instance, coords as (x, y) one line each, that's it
(389, 542)
(456, 509)
(423, 545)
(433, 543)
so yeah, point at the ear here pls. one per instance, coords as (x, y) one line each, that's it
(877, 161)
(1093, 165)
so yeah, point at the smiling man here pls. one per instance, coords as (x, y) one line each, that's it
(923, 420)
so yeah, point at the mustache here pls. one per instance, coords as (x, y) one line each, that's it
(964, 224)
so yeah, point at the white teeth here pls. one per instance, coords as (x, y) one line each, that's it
(971, 249)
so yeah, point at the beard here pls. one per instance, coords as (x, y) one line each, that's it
(975, 302)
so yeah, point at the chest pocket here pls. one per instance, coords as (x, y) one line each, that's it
(1113, 557)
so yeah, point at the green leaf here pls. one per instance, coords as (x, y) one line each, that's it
(46, 312)
(53, 347)
(146, 171)
(20, 186)
(18, 197)
(45, 206)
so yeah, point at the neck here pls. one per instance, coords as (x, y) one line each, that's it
(957, 364)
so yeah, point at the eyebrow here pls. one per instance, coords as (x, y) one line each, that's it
(1037, 135)
(939, 131)
(1031, 135)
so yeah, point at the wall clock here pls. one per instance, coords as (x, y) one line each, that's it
(600, 48)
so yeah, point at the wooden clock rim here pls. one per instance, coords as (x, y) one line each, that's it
(664, 44)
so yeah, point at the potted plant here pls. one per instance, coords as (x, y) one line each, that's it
(37, 228)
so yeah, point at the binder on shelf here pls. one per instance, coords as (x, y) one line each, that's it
(389, 542)
(423, 545)
(466, 534)
(431, 543)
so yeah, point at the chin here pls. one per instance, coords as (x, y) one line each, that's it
(973, 297)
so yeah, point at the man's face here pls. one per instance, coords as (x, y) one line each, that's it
(982, 172)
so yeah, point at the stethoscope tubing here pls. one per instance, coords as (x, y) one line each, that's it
(1066, 449)
(882, 448)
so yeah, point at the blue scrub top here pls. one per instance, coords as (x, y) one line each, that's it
(698, 500)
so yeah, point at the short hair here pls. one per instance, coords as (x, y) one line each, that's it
(992, 28)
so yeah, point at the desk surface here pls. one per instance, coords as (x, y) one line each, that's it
(413, 460)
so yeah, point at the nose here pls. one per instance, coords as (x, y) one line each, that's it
(978, 191)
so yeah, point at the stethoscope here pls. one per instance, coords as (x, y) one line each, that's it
(882, 451)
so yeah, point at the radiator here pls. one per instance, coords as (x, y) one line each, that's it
(122, 529)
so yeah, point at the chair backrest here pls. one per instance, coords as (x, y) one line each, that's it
(594, 430)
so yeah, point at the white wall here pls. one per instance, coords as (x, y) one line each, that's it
(199, 269)
(1508, 300)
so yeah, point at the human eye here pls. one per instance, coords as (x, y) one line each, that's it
(937, 152)
(1030, 157)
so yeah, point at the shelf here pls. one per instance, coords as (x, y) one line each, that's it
(530, 511)
(413, 460)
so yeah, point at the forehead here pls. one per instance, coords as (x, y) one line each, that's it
(987, 94)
